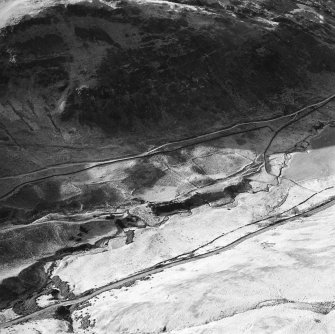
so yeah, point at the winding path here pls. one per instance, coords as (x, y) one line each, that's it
(165, 148)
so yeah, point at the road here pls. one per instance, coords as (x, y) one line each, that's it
(169, 264)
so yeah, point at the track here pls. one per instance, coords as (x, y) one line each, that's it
(169, 146)
(165, 148)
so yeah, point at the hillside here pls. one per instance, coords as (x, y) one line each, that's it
(167, 166)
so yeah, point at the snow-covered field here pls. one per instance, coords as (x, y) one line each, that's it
(291, 265)
(280, 281)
